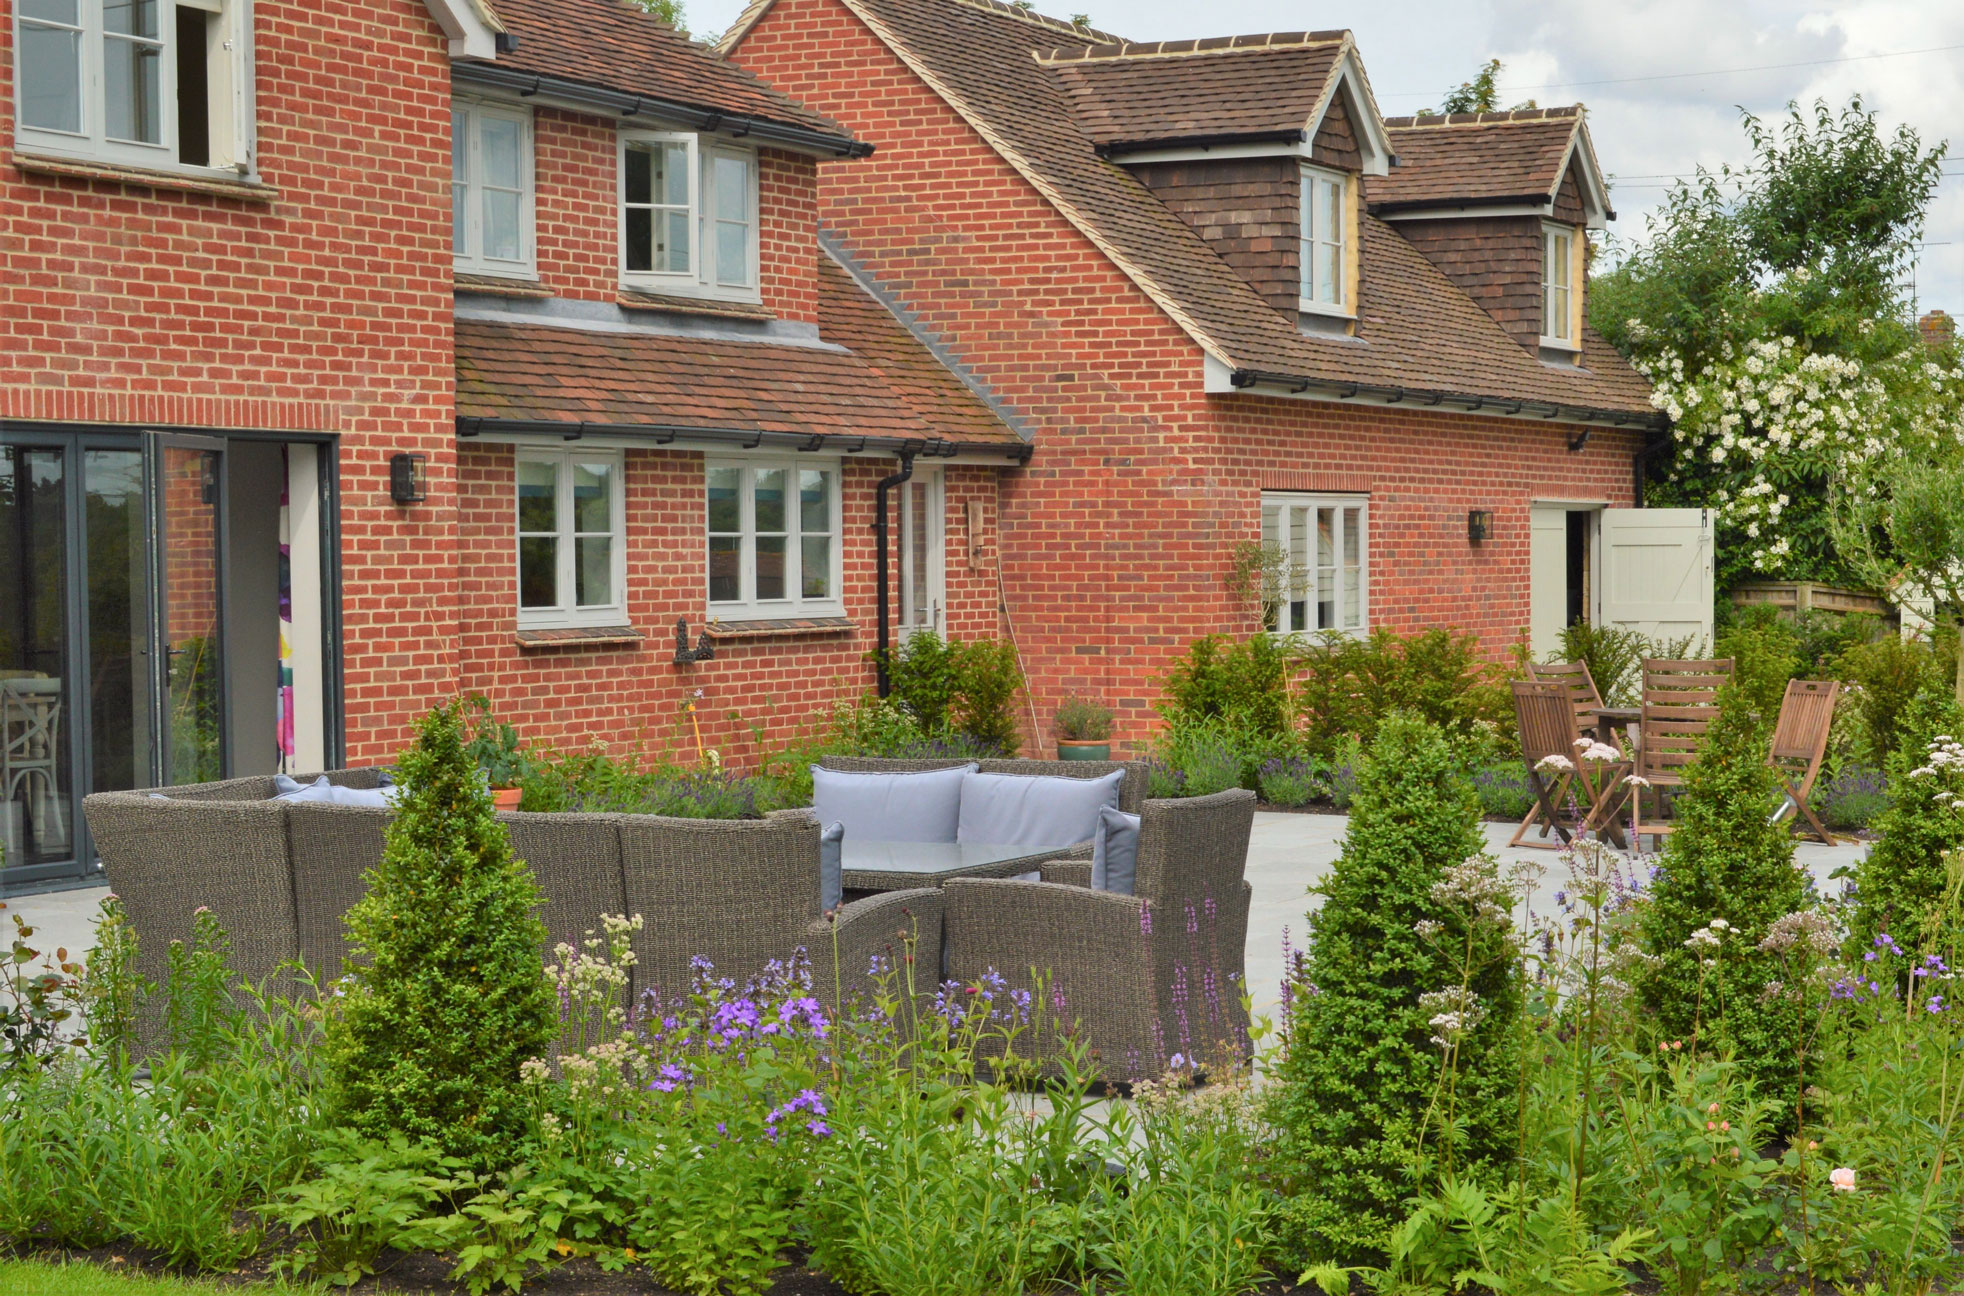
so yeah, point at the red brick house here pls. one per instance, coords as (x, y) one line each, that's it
(357, 357)
(1235, 306)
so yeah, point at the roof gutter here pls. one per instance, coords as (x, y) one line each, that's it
(1484, 200)
(662, 434)
(1118, 148)
(1243, 379)
(496, 77)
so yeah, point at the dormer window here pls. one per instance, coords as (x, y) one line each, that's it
(1327, 237)
(688, 216)
(1560, 303)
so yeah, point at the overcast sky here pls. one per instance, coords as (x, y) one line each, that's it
(1629, 61)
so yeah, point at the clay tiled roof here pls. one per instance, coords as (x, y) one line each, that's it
(1416, 330)
(1475, 157)
(612, 45)
(849, 316)
(887, 385)
(1257, 87)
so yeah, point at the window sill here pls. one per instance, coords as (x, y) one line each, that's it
(78, 169)
(497, 285)
(637, 299)
(579, 637)
(779, 628)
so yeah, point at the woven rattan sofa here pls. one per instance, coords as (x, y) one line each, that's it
(1146, 976)
(1131, 789)
(279, 876)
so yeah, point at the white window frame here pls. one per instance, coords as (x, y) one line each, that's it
(571, 614)
(929, 485)
(747, 606)
(704, 277)
(469, 255)
(1564, 237)
(1291, 506)
(1309, 237)
(229, 111)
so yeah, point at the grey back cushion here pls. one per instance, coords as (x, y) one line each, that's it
(333, 794)
(923, 806)
(831, 866)
(1034, 809)
(1115, 853)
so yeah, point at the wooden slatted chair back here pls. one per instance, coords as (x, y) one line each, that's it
(1806, 717)
(1670, 742)
(1546, 721)
(1683, 693)
(1581, 686)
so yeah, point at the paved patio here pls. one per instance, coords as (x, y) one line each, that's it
(1287, 853)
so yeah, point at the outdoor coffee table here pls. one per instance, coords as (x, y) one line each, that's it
(897, 866)
(1615, 727)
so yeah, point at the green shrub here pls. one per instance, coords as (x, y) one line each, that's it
(1853, 800)
(1292, 780)
(446, 990)
(1765, 654)
(1726, 860)
(1350, 685)
(1884, 676)
(1244, 684)
(925, 678)
(1360, 1076)
(952, 687)
(1899, 883)
(1504, 791)
(988, 679)
(1082, 720)
(1614, 655)
(1212, 755)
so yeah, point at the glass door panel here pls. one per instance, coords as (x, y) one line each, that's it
(118, 651)
(37, 811)
(188, 474)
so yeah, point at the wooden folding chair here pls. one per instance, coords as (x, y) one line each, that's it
(1800, 744)
(1680, 701)
(1581, 686)
(1546, 720)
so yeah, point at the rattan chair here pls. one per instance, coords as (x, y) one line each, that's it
(1800, 744)
(1680, 701)
(1144, 976)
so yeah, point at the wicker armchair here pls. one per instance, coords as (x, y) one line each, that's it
(1145, 976)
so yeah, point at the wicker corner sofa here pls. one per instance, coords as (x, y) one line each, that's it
(279, 876)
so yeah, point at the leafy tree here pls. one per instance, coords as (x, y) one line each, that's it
(446, 990)
(1727, 861)
(1358, 1084)
(1770, 282)
(1898, 520)
(1481, 94)
(669, 11)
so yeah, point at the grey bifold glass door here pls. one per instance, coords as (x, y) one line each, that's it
(186, 476)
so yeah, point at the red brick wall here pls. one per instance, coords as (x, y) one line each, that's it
(1117, 538)
(756, 692)
(577, 217)
(325, 310)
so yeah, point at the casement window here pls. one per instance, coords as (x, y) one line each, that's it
(1317, 574)
(161, 84)
(923, 549)
(492, 195)
(688, 216)
(1326, 236)
(1560, 313)
(572, 552)
(772, 530)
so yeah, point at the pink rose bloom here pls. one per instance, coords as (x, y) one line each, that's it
(1842, 1178)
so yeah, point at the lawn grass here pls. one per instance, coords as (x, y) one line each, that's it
(77, 1278)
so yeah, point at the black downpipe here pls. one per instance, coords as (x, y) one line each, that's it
(883, 642)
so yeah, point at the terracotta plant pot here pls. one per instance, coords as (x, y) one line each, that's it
(506, 798)
(1088, 749)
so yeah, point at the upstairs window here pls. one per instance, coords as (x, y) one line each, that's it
(688, 216)
(1316, 563)
(149, 83)
(491, 189)
(1325, 242)
(1558, 274)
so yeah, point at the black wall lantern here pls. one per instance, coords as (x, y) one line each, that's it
(1479, 525)
(409, 479)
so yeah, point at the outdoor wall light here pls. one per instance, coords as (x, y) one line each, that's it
(1479, 525)
(409, 478)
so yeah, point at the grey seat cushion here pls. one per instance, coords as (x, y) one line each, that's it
(923, 806)
(1033, 809)
(1115, 853)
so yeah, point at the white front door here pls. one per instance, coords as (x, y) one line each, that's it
(1658, 573)
(923, 544)
(1547, 578)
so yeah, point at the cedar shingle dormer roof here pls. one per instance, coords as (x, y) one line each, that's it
(1418, 336)
(1242, 88)
(611, 45)
(1489, 159)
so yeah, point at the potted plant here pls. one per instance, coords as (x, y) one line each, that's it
(494, 746)
(1084, 730)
